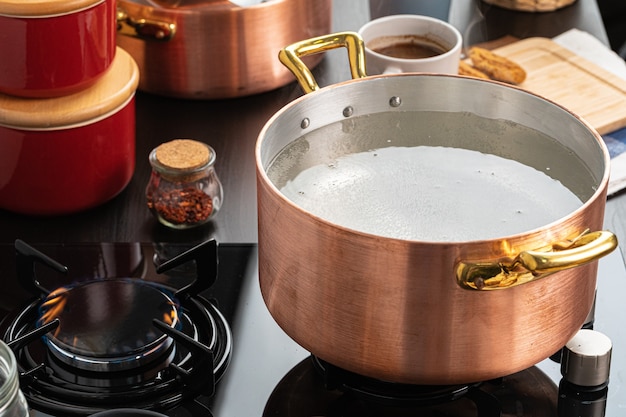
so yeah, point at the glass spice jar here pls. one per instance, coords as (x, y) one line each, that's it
(184, 190)
(12, 400)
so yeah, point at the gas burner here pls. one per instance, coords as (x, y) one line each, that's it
(118, 342)
(106, 325)
(314, 387)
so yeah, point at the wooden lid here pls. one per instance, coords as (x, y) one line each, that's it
(43, 8)
(108, 94)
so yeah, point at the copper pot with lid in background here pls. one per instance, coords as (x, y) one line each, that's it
(210, 49)
(485, 294)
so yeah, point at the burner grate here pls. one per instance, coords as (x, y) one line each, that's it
(390, 394)
(201, 340)
(314, 387)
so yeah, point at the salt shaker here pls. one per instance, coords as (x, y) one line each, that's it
(12, 400)
(184, 190)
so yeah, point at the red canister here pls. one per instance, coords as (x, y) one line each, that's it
(51, 48)
(65, 154)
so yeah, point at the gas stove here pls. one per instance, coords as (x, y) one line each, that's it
(225, 356)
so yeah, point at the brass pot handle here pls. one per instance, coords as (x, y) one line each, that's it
(532, 265)
(290, 56)
(142, 28)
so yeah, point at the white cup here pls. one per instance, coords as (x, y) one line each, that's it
(405, 29)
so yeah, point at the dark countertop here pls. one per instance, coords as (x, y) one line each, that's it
(231, 127)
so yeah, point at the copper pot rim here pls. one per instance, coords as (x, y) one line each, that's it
(599, 192)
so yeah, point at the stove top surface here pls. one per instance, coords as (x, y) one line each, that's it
(270, 375)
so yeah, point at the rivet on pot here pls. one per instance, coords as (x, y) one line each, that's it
(305, 123)
(348, 111)
(395, 101)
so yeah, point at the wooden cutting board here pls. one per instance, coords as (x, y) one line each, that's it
(560, 75)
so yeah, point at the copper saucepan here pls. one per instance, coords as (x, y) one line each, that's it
(429, 311)
(210, 49)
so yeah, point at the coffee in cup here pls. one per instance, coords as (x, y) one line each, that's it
(407, 46)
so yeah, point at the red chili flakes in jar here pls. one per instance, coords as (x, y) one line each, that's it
(184, 190)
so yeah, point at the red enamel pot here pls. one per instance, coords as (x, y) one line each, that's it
(65, 154)
(52, 48)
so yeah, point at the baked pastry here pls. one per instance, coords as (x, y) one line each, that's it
(467, 69)
(496, 66)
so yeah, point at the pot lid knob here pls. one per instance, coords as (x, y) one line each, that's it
(586, 359)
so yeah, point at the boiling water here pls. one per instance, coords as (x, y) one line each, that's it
(396, 178)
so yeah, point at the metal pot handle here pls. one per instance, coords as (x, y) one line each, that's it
(143, 28)
(533, 265)
(290, 56)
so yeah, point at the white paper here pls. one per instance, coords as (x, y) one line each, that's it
(589, 47)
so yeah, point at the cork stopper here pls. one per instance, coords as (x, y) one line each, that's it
(183, 154)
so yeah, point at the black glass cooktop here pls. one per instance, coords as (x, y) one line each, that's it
(270, 375)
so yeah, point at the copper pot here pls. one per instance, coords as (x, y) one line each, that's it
(210, 49)
(421, 311)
